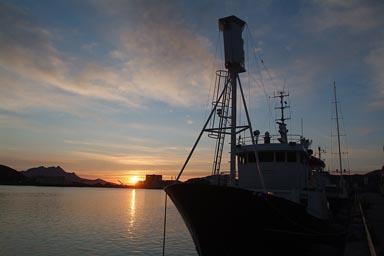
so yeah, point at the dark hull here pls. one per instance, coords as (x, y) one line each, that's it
(232, 221)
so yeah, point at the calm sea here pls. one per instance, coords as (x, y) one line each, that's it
(89, 221)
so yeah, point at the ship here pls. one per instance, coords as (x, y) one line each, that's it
(274, 200)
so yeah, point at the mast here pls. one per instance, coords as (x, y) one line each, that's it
(233, 76)
(338, 132)
(232, 28)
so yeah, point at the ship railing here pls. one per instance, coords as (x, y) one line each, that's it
(294, 138)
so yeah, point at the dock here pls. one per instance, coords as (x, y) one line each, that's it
(366, 234)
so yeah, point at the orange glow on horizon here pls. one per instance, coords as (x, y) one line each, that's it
(133, 179)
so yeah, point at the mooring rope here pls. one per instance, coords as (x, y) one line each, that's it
(165, 222)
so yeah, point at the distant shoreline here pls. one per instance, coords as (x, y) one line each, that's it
(53, 176)
(67, 186)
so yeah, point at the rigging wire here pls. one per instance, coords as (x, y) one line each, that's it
(214, 64)
(345, 138)
(249, 81)
(269, 74)
(275, 86)
(249, 37)
(331, 123)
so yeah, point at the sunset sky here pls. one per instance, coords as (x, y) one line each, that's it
(114, 89)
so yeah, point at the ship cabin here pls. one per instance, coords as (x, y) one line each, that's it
(282, 169)
(282, 166)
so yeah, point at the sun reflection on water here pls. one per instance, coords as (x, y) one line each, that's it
(132, 211)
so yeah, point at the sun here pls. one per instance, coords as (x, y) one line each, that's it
(134, 179)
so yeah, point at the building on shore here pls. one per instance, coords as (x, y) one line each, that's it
(153, 181)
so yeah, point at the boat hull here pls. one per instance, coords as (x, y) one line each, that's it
(231, 221)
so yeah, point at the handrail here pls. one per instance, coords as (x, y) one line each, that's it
(273, 139)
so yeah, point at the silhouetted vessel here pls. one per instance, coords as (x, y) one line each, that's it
(276, 201)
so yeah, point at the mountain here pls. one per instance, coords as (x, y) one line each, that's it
(9, 176)
(58, 176)
(48, 176)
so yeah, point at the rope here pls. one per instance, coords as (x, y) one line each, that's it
(165, 222)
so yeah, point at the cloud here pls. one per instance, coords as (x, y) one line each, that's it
(356, 15)
(157, 58)
(165, 59)
(375, 60)
(331, 40)
(31, 63)
(141, 157)
(26, 47)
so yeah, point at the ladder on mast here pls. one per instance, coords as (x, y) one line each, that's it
(222, 112)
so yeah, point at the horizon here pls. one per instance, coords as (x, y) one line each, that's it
(135, 179)
(119, 90)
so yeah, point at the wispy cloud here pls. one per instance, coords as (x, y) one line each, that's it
(156, 58)
(335, 37)
(355, 15)
(163, 58)
(375, 60)
(34, 64)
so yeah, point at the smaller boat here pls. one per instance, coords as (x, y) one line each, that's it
(274, 199)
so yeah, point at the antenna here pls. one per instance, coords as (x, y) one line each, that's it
(320, 150)
(281, 121)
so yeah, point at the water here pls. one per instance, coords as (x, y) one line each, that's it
(89, 221)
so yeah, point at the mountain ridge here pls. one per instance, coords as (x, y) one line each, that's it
(48, 176)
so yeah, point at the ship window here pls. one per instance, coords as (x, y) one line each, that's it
(280, 156)
(266, 156)
(291, 156)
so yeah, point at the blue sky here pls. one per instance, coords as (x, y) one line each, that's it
(114, 89)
